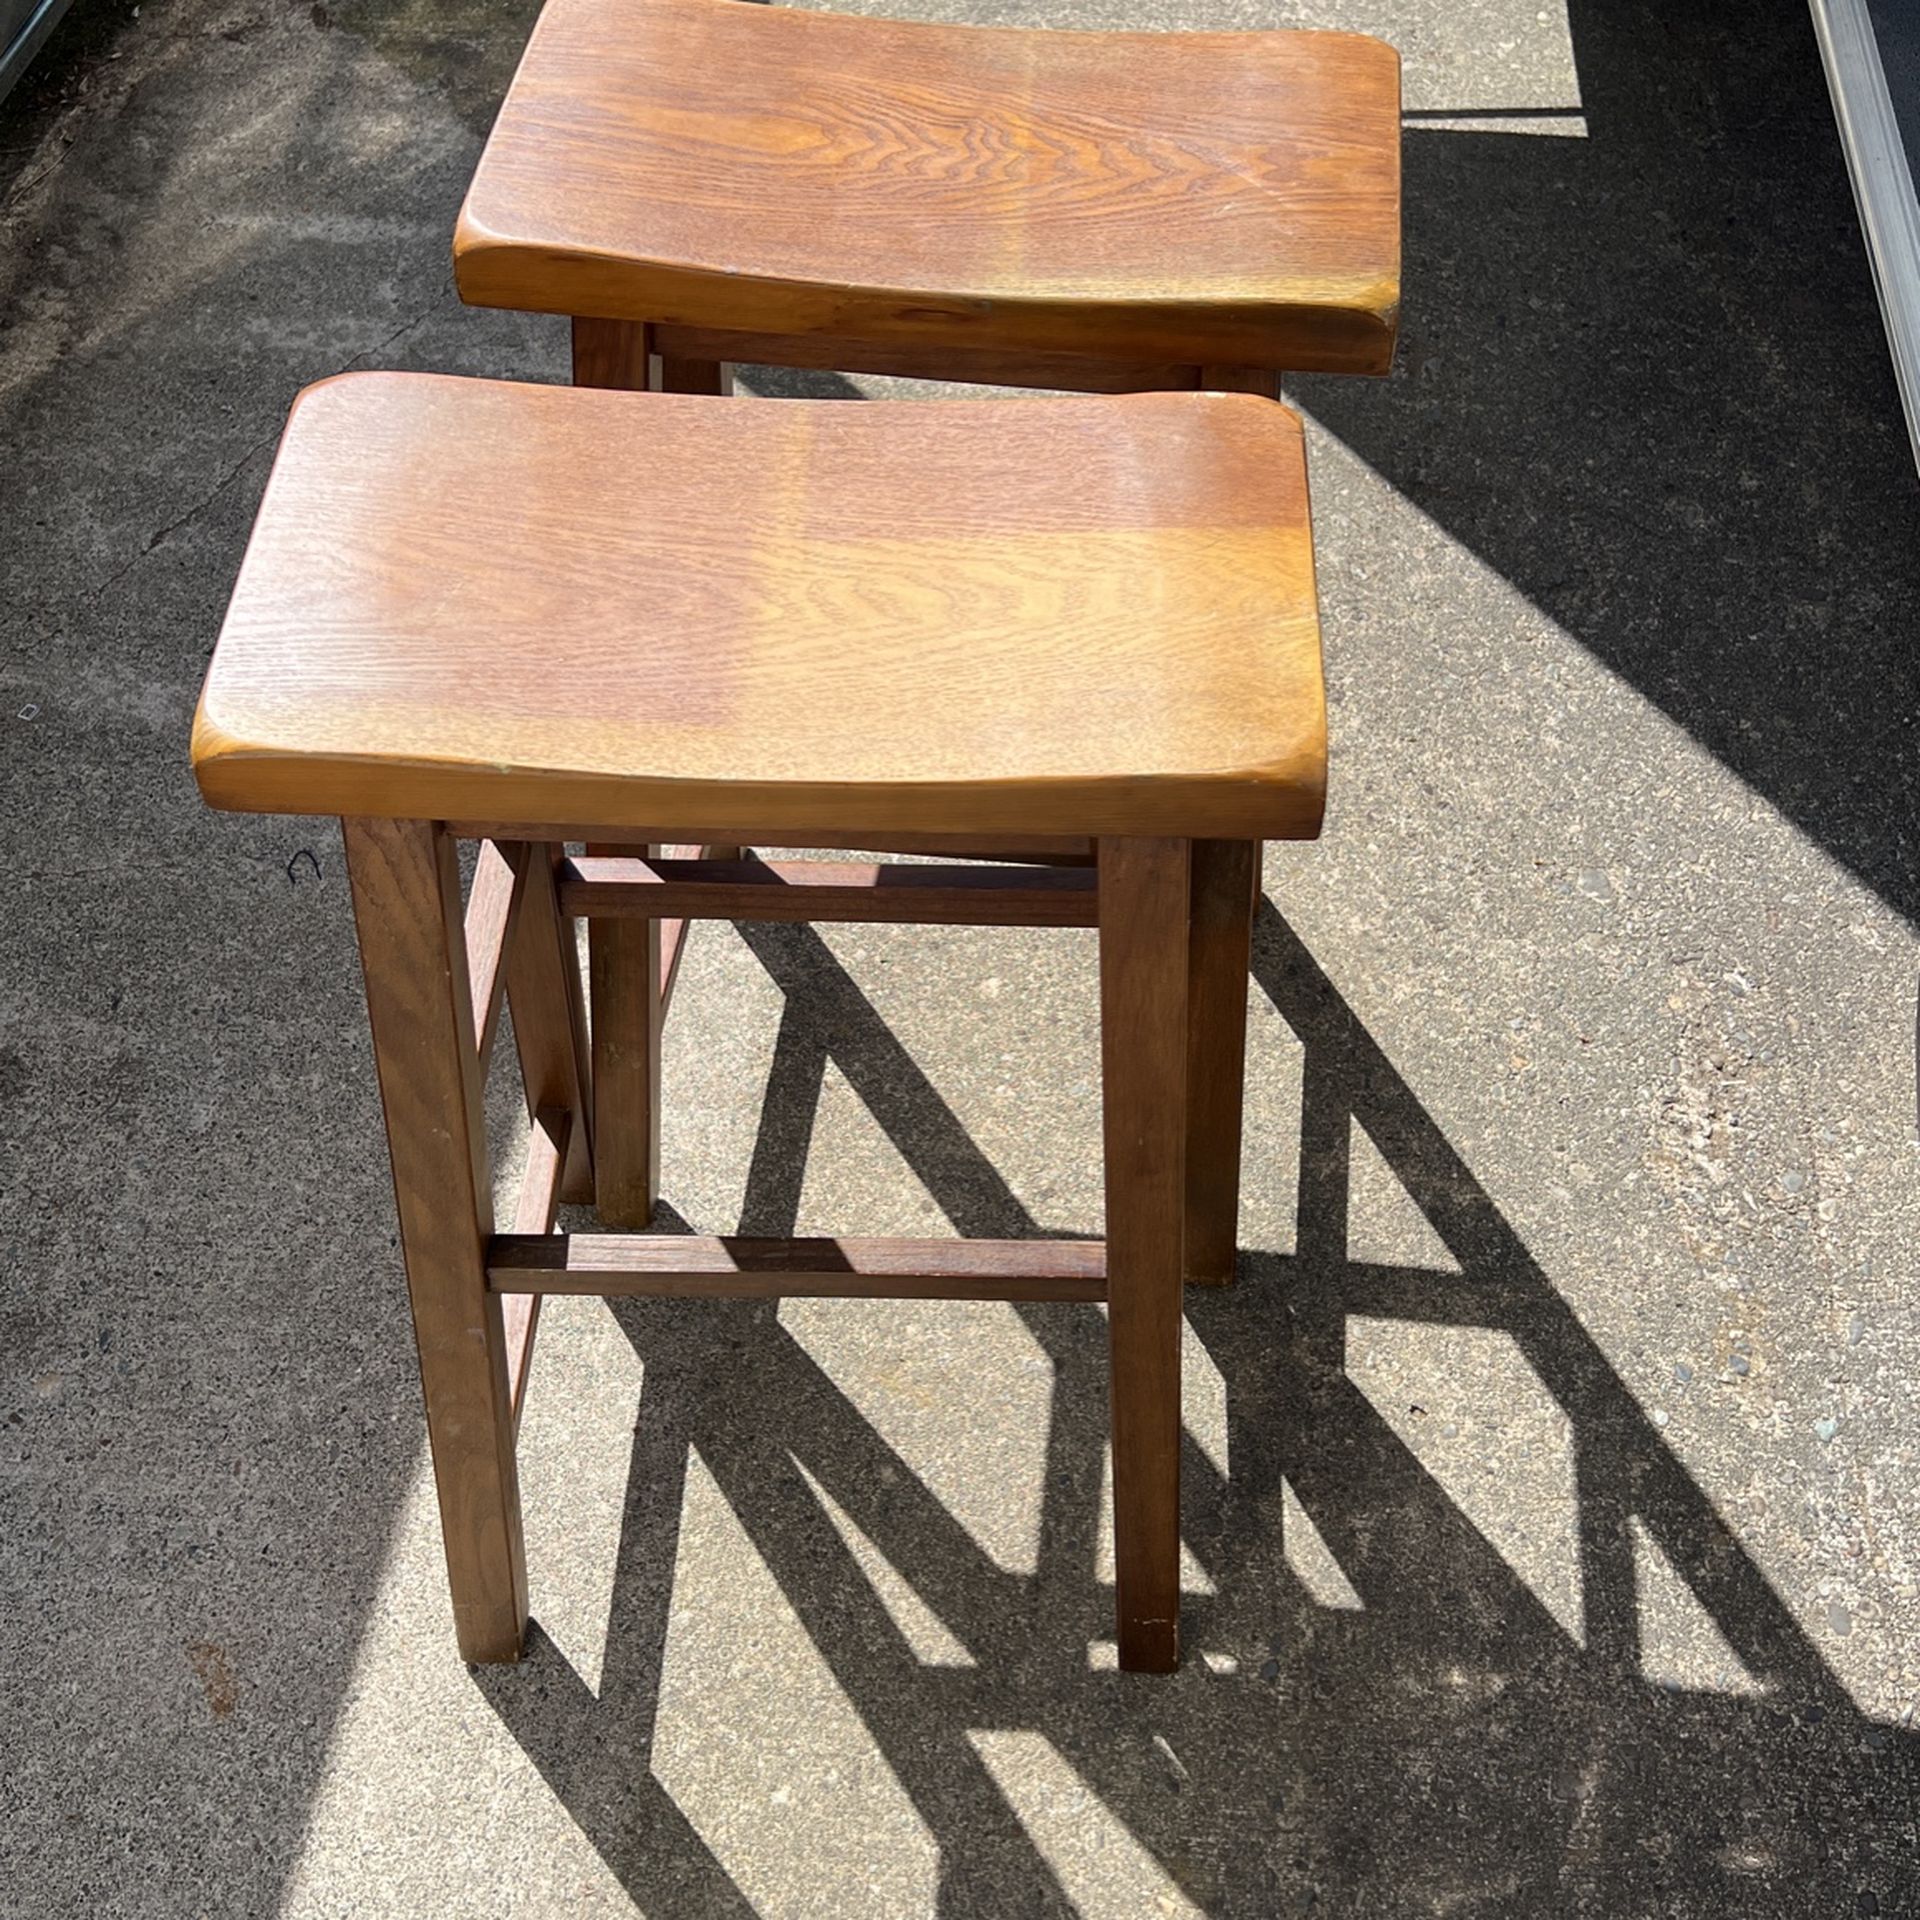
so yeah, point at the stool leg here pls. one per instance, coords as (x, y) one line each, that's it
(695, 376)
(406, 903)
(611, 353)
(1144, 904)
(623, 956)
(1226, 883)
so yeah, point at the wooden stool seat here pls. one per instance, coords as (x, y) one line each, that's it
(473, 601)
(894, 188)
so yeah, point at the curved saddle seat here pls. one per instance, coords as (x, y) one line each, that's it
(1196, 198)
(469, 600)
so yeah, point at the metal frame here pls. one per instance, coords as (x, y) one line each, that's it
(1883, 186)
(26, 42)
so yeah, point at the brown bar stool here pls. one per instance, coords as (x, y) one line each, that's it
(478, 609)
(1103, 212)
(698, 181)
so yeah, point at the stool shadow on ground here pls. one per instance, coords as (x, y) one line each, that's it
(795, 383)
(1444, 1745)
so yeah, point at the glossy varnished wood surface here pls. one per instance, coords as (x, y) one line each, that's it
(467, 600)
(1210, 198)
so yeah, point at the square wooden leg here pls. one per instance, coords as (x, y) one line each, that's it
(406, 903)
(694, 376)
(1144, 905)
(623, 957)
(1226, 883)
(619, 353)
(612, 353)
(623, 964)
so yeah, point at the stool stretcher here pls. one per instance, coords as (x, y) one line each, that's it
(705, 1266)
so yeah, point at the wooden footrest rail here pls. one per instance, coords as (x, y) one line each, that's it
(606, 888)
(693, 1266)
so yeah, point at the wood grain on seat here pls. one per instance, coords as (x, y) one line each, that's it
(466, 599)
(1206, 198)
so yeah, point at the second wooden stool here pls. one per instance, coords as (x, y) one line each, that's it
(708, 181)
(700, 181)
